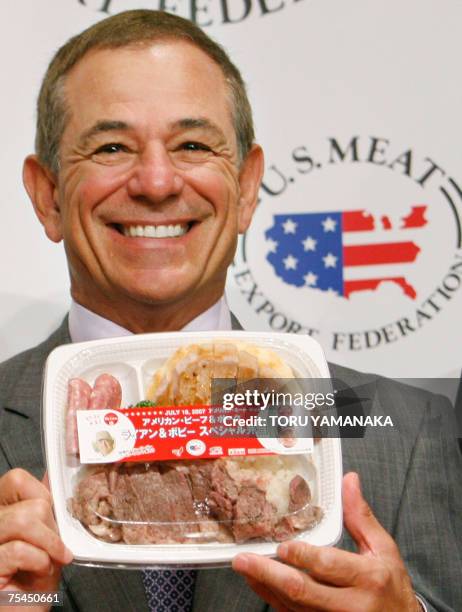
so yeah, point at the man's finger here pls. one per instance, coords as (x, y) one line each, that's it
(292, 586)
(15, 526)
(17, 485)
(360, 521)
(21, 556)
(37, 508)
(329, 565)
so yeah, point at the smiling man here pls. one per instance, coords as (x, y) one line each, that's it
(152, 186)
(146, 168)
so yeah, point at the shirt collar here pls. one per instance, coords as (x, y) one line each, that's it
(86, 325)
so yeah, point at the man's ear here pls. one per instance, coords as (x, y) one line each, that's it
(42, 189)
(250, 176)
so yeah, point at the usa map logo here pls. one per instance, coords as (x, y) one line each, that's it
(313, 250)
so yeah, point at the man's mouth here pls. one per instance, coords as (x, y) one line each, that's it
(154, 231)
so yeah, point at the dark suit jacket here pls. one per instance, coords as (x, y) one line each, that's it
(411, 476)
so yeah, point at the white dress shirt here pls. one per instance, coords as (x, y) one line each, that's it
(86, 325)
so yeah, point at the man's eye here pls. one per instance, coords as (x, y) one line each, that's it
(195, 146)
(112, 147)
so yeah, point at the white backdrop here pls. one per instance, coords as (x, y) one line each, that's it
(357, 105)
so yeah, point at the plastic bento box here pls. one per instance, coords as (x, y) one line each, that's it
(186, 501)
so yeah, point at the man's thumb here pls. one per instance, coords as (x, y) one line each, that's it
(359, 519)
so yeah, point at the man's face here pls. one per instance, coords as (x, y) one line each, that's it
(148, 193)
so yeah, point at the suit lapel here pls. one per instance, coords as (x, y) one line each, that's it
(20, 424)
(24, 390)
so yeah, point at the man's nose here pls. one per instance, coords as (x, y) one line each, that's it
(155, 176)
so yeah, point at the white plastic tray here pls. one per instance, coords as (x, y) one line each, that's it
(133, 360)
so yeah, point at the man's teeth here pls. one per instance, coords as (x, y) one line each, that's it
(155, 231)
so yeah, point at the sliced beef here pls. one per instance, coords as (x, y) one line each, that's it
(254, 516)
(299, 494)
(143, 485)
(178, 496)
(178, 501)
(88, 494)
(223, 493)
(126, 512)
(302, 514)
(210, 526)
(113, 472)
(222, 507)
(91, 506)
(163, 503)
(200, 477)
(221, 481)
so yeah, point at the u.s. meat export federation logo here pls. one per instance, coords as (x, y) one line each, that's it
(357, 243)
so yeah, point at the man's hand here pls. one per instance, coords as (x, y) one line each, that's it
(373, 579)
(31, 552)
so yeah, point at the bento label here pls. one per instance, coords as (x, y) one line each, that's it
(177, 432)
